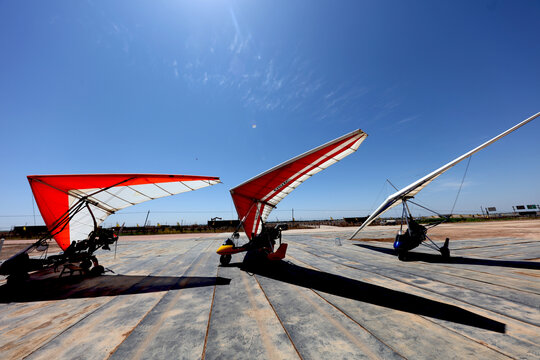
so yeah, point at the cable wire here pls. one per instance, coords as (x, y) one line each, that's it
(460, 185)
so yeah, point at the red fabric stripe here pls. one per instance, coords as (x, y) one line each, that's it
(321, 161)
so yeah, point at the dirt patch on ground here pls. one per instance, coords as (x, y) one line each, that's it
(518, 229)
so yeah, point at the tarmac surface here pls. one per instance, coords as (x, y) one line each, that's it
(331, 298)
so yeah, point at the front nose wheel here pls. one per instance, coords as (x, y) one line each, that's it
(225, 259)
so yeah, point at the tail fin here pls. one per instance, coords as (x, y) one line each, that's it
(279, 254)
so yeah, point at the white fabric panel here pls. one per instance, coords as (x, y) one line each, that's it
(120, 197)
(71, 200)
(109, 200)
(356, 145)
(113, 199)
(117, 198)
(303, 178)
(82, 223)
(257, 214)
(276, 199)
(344, 154)
(176, 187)
(293, 186)
(83, 192)
(149, 190)
(197, 184)
(327, 163)
(266, 212)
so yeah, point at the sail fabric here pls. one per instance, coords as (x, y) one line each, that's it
(257, 197)
(72, 197)
(411, 190)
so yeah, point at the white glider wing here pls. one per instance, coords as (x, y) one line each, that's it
(411, 190)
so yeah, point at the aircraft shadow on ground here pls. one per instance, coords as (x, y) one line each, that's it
(437, 258)
(72, 287)
(372, 294)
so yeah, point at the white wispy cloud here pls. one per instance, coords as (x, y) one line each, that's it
(450, 186)
(408, 119)
(455, 184)
(175, 68)
(123, 35)
(391, 104)
(262, 82)
(240, 42)
(339, 101)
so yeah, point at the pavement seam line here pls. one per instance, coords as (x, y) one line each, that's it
(269, 347)
(193, 264)
(466, 337)
(347, 315)
(148, 312)
(279, 319)
(203, 355)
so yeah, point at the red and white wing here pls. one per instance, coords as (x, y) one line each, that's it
(255, 198)
(107, 193)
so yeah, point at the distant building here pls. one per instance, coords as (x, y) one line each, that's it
(526, 209)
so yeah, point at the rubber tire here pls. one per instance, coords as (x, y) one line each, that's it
(445, 253)
(402, 255)
(97, 270)
(225, 259)
(85, 265)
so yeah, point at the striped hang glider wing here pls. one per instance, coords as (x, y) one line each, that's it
(67, 202)
(255, 199)
(413, 189)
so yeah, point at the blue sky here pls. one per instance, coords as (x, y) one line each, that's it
(232, 88)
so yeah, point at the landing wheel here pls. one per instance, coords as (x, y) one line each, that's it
(85, 265)
(445, 252)
(225, 259)
(97, 270)
(402, 255)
